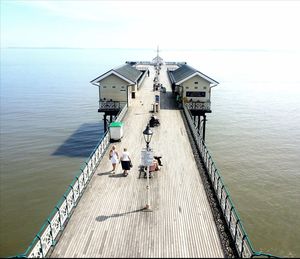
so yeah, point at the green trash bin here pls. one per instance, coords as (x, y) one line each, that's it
(116, 130)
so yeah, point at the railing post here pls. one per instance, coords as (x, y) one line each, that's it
(211, 165)
(242, 250)
(39, 238)
(79, 191)
(217, 186)
(225, 204)
(214, 179)
(230, 216)
(204, 124)
(206, 157)
(221, 195)
(83, 175)
(87, 166)
(73, 196)
(51, 234)
(67, 207)
(235, 233)
(59, 217)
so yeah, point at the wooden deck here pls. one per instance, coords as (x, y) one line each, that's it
(109, 221)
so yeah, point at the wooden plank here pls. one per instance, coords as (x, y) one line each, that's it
(109, 221)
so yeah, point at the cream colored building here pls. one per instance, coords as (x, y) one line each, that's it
(192, 86)
(118, 86)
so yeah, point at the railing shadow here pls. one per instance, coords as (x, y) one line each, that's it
(82, 142)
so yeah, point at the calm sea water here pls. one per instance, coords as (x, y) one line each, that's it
(50, 124)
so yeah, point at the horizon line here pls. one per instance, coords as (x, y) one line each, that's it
(154, 49)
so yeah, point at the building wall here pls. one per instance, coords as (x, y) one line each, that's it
(114, 88)
(196, 86)
(134, 88)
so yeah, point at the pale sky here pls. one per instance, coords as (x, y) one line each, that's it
(145, 24)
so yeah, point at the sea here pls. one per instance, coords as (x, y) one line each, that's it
(50, 125)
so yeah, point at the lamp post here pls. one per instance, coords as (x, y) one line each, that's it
(147, 136)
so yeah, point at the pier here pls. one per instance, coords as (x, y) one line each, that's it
(183, 210)
(109, 221)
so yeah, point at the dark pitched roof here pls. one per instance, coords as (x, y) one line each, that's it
(184, 72)
(126, 72)
(129, 72)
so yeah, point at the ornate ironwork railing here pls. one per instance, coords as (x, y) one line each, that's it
(111, 105)
(234, 223)
(203, 106)
(58, 218)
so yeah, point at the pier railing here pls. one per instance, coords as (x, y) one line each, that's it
(122, 113)
(234, 223)
(60, 215)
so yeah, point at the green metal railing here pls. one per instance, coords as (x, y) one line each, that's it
(60, 215)
(234, 223)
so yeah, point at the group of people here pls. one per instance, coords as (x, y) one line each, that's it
(126, 163)
(124, 158)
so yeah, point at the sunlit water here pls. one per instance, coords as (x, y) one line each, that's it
(50, 124)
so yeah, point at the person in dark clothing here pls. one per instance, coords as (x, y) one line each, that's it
(158, 158)
(154, 121)
(125, 162)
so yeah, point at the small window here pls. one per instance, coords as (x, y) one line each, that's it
(195, 83)
(196, 87)
(104, 86)
(187, 87)
(113, 86)
(123, 87)
(195, 94)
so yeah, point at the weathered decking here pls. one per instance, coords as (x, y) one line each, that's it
(109, 221)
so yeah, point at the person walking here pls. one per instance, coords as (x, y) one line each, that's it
(125, 162)
(114, 158)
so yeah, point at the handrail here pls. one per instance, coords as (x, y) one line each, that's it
(238, 233)
(122, 113)
(50, 231)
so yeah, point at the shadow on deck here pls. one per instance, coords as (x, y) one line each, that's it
(82, 142)
(168, 102)
(115, 215)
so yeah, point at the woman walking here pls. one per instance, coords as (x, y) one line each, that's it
(114, 158)
(125, 162)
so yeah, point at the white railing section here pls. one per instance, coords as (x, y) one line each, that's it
(122, 113)
(56, 222)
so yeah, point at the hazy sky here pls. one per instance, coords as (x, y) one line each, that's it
(146, 24)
